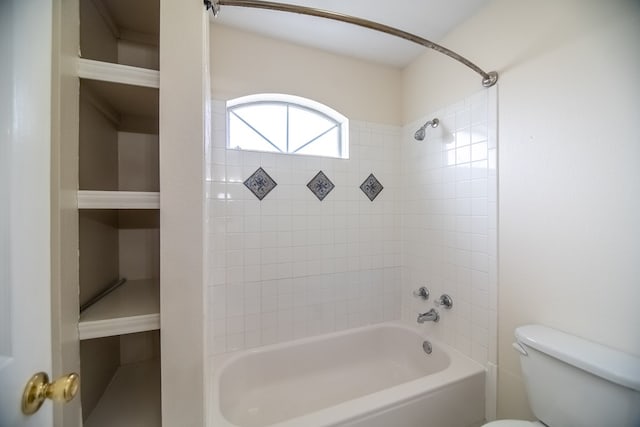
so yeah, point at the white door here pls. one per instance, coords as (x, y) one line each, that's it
(25, 137)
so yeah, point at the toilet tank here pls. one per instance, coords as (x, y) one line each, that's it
(573, 382)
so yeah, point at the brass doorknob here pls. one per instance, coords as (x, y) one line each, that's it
(38, 389)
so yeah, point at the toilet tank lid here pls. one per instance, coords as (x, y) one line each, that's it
(613, 365)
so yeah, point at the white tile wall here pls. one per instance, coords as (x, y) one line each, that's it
(449, 223)
(290, 266)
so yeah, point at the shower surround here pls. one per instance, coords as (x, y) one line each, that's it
(449, 227)
(292, 266)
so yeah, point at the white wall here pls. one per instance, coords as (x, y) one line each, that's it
(291, 266)
(245, 63)
(569, 183)
(449, 227)
(183, 134)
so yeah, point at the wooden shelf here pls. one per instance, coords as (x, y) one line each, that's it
(133, 307)
(131, 399)
(118, 200)
(118, 73)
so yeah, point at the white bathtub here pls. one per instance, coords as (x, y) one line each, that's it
(375, 376)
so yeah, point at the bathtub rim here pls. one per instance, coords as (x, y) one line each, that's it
(460, 368)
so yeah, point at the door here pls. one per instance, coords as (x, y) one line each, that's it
(25, 213)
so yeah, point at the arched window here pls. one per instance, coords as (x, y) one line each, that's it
(286, 124)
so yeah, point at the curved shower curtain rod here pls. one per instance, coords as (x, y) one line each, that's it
(488, 79)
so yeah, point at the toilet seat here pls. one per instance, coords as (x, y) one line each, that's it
(514, 423)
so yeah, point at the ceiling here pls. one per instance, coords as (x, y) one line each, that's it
(430, 19)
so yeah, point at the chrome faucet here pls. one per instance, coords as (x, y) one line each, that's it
(430, 316)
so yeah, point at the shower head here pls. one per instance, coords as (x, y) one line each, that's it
(420, 133)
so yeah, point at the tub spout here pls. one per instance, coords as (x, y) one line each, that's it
(430, 316)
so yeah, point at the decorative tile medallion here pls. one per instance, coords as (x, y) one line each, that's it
(260, 183)
(371, 187)
(320, 185)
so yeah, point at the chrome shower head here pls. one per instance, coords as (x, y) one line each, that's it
(420, 133)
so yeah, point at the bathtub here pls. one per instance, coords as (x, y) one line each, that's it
(375, 376)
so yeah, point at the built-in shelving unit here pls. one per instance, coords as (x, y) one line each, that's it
(119, 219)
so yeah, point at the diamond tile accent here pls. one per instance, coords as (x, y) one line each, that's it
(320, 185)
(371, 187)
(260, 183)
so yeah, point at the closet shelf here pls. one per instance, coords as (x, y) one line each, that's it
(88, 199)
(131, 399)
(133, 307)
(117, 73)
(122, 102)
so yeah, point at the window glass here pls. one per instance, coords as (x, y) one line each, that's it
(286, 124)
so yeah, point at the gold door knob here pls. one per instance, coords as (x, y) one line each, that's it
(38, 389)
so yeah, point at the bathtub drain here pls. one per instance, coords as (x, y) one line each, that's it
(427, 347)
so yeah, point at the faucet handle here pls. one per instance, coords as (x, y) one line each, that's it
(421, 292)
(445, 301)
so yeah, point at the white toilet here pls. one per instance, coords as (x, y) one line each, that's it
(572, 382)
